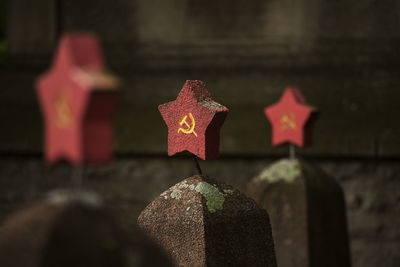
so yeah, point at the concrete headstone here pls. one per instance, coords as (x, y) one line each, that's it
(307, 212)
(202, 222)
(73, 229)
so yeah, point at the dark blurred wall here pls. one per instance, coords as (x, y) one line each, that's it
(342, 54)
(288, 31)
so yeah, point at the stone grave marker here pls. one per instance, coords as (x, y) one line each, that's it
(67, 230)
(71, 228)
(306, 206)
(200, 221)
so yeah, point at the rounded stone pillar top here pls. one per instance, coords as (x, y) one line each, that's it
(284, 170)
(307, 212)
(202, 222)
(72, 228)
(290, 172)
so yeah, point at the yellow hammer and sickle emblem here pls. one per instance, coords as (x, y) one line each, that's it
(190, 127)
(288, 121)
(63, 111)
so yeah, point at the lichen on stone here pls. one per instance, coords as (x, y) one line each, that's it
(183, 185)
(228, 191)
(208, 102)
(176, 193)
(214, 198)
(212, 104)
(164, 194)
(284, 170)
(60, 197)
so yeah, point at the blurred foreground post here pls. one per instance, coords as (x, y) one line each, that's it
(76, 230)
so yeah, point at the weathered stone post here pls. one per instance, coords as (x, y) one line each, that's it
(199, 221)
(306, 206)
(73, 229)
(78, 98)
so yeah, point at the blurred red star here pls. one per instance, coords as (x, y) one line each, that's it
(78, 100)
(289, 117)
(194, 121)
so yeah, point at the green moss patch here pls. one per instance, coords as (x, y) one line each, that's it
(286, 170)
(214, 198)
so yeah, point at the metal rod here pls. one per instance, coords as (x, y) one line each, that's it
(196, 161)
(292, 151)
(77, 177)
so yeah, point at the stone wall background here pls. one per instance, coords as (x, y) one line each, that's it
(343, 55)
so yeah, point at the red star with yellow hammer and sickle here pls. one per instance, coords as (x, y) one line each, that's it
(194, 121)
(78, 102)
(289, 118)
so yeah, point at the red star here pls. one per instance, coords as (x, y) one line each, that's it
(78, 101)
(289, 117)
(194, 121)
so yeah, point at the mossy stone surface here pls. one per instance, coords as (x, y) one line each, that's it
(210, 224)
(307, 212)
